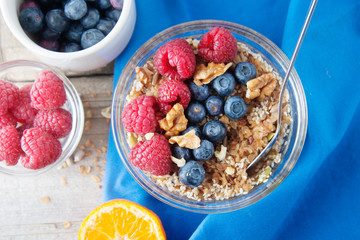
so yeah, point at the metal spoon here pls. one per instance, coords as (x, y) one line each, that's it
(288, 71)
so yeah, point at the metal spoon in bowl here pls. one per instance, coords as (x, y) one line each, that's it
(288, 71)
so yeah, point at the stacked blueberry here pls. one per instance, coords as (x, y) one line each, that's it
(69, 25)
(204, 103)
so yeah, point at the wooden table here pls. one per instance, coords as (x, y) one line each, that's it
(52, 205)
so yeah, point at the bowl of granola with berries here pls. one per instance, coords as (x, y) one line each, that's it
(193, 108)
(41, 118)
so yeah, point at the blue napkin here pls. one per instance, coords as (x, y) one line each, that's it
(320, 198)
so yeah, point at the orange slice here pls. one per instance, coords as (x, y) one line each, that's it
(121, 219)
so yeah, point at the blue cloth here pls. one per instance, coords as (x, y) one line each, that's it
(320, 198)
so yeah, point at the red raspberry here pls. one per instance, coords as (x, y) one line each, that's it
(57, 122)
(10, 149)
(48, 91)
(139, 115)
(152, 155)
(9, 94)
(218, 46)
(23, 127)
(171, 92)
(175, 59)
(8, 119)
(23, 111)
(40, 147)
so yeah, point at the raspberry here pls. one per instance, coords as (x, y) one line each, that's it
(152, 155)
(9, 94)
(10, 149)
(8, 119)
(139, 115)
(57, 122)
(40, 147)
(175, 59)
(218, 46)
(48, 91)
(23, 111)
(23, 127)
(171, 92)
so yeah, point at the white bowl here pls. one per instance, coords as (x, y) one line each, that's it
(88, 59)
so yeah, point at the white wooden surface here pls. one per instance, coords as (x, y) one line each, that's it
(23, 215)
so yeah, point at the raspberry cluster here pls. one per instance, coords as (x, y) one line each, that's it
(32, 121)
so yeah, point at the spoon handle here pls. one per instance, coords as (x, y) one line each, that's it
(286, 79)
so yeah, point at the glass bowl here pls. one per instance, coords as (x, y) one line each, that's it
(23, 72)
(258, 44)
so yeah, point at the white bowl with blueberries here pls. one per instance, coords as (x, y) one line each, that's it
(74, 35)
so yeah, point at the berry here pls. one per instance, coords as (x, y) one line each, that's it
(196, 112)
(75, 9)
(175, 59)
(49, 45)
(117, 4)
(9, 94)
(189, 128)
(152, 155)
(244, 71)
(31, 19)
(180, 152)
(91, 18)
(73, 34)
(192, 174)
(214, 131)
(204, 152)
(23, 111)
(57, 122)
(199, 93)
(171, 92)
(218, 46)
(10, 148)
(40, 147)
(113, 14)
(8, 119)
(91, 37)
(72, 47)
(49, 34)
(56, 20)
(224, 85)
(105, 25)
(214, 105)
(23, 127)
(235, 107)
(48, 91)
(102, 4)
(139, 115)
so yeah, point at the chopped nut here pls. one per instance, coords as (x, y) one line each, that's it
(255, 85)
(109, 92)
(88, 143)
(104, 149)
(96, 178)
(97, 167)
(230, 170)
(63, 181)
(96, 159)
(179, 162)
(220, 155)
(87, 153)
(132, 140)
(102, 171)
(87, 125)
(64, 165)
(93, 95)
(67, 224)
(188, 140)
(70, 161)
(149, 136)
(45, 199)
(106, 112)
(86, 104)
(175, 121)
(82, 169)
(205, 74)
(79, 155)
(89, 114)
(82, 147)
(98, 151)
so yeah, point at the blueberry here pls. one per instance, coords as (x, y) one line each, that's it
(192, 174)
(199, 93)
(91, 37)
(235, 107)
(214, 131)
(113, 14)
(31, 19)
(205, 151)
(49, 45)
(105, 25)
(180, 152)
(214, 105)
(102, 4)
(73, 34)
(244, 71)
(72, 47)
(224, 85)
(196, 128)
(50, 34)
(56, 20)
(91, 18)
(117, 4)
(195, 112)
(75, 9)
